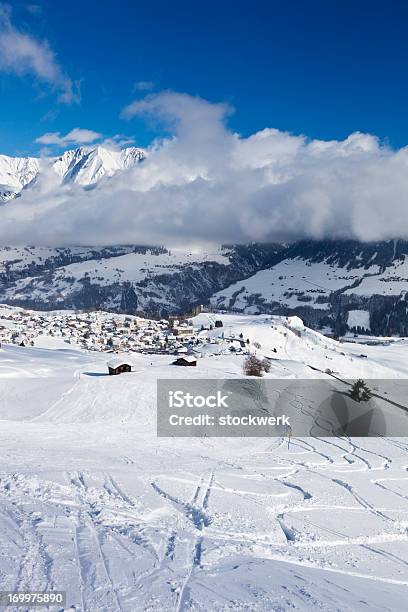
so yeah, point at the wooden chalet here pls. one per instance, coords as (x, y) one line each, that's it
(186, 360)
(118, 366)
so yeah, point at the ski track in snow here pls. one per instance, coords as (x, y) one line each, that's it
(91, 501)
(107, 518)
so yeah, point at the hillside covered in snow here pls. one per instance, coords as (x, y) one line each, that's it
(335, 286)
(94, 503)
(327, 283)
(151, 280)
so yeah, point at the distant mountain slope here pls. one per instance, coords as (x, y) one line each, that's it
(331, 285)
(84, 166)
(151, 280)
(325, 281)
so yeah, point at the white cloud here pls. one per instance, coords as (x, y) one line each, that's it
(118, 142)
(75, 136)
(205, 183)
(22, 54)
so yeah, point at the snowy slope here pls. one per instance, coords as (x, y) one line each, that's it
(16, 261)
(296, 345)
(391, 281)
(146, 279)
(92, 502)
(292, 283)
(16, 173)
(320, 281)
(87, 166)
(135, 268)
(359, 318)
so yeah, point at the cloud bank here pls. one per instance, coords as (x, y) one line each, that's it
(22, 54)
(75, 136)
(205, 183)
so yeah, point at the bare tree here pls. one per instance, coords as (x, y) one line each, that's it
(253, 366)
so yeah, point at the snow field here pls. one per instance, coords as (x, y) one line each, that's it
(91, 501)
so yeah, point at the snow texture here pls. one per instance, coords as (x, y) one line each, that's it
(92, 502)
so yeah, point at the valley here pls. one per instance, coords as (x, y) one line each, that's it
(334, 286)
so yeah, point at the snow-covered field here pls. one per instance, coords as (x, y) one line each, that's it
(299, 282)
(295, 282)
(92, 502)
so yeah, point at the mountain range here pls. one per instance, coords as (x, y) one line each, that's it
(84, 166)
(334, 286)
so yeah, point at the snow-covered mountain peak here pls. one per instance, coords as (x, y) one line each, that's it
(63, 164)
(84, 166)
(15, 173)
(91, 166)
(131, 155)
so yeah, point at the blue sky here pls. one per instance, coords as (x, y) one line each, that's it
(320, 68)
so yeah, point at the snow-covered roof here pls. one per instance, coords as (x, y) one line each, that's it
(188, 358)
(116, 363)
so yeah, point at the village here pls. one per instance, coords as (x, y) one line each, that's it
(116, 334)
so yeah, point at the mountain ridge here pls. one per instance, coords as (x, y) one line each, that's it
(337, 286)
(83, 166)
